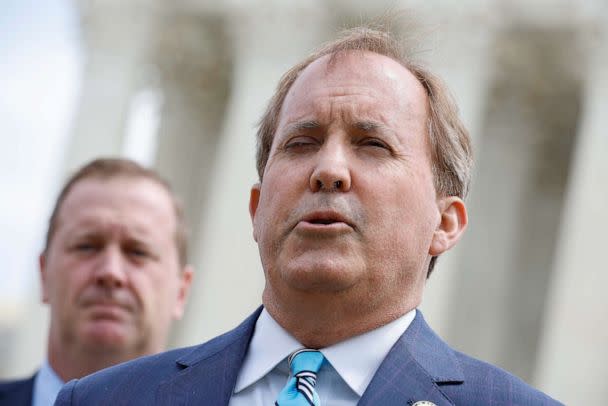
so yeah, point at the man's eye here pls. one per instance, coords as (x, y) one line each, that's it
(374, 142)
(85, 247)
(298, 142)
(137, 252)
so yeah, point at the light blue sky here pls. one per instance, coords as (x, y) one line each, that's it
(40, 73)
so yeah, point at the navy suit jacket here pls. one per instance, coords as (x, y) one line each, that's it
(17, 393)
(419, 367)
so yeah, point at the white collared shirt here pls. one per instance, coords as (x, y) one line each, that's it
(47, 385)
(350, 366)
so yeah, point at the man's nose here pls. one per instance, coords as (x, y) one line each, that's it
(332, 169)
(111, 272)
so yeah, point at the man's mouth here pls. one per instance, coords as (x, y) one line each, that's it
(325, 221)
(107, 312)
(101, 307)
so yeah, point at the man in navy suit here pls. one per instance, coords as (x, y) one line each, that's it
(363, 165)
(114, 279)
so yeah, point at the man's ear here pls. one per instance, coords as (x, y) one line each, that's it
(184, 289)
(254, 200)
(43, 277)
(452, 224)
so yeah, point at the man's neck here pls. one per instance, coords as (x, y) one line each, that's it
(71, 363)
(320, 323)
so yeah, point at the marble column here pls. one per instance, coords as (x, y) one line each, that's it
(193, 58)
(573, 359)
(522, 167)
(116, 38)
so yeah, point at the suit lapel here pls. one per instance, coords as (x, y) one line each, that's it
(414, 369)
(208, 374)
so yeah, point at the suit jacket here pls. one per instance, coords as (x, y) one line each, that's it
(420, 366)
(17, 393)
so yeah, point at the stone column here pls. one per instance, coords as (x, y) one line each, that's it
(522, 167)
(116, 46)
(573, 358)
(193, 57)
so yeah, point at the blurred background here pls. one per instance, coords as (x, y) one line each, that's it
(180, 86)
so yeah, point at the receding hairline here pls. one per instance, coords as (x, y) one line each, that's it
(332, 62)
(105, 179)
(174, 205)
(123, 177)
(360, 40)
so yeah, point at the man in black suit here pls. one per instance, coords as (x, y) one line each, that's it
(113, 272)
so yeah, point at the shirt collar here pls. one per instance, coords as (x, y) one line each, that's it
(47, 385)
(271, 344)
(371, 349)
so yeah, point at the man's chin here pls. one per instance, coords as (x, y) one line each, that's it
(320, 278)
(106, 335)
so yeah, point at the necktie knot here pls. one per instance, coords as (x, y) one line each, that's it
(300, 390)
(305, 360)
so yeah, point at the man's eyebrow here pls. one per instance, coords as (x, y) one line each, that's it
(138, 240)
(84, 235)
(371, 126)
(300, 126)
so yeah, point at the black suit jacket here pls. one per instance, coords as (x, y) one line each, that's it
(17, 393)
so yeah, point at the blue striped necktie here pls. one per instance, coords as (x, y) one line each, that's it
(300, 390)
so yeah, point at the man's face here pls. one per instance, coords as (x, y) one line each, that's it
(111, 273)
(347, 203)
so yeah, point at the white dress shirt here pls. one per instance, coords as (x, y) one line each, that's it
(350, 366)
(47, 385)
